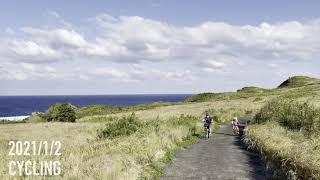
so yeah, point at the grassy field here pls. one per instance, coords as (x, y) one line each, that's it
(162, 129)
(290, 154)
(287, 133)
(140, 154)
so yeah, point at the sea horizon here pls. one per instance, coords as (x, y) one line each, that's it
(103, 94)
(23, 105)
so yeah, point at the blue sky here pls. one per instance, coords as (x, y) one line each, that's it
(33, 12)
(149, 46)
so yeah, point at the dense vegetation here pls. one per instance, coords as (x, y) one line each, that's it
(123, 126)
(293, 115)
(287, 134)
(61, 113)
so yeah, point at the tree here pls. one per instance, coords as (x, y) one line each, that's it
(61, 112)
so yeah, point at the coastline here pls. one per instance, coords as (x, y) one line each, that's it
(13, 118)
(15, 107)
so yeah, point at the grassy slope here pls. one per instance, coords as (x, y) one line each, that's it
(285, 136)
(299, 81)
(139, 154)
(292, 154)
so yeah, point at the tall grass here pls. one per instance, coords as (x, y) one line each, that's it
(290, 114)
(286, 132)
(288, 154)
(130, 155)
(161, 130)
(107, 110)
(96, 110)
(224, 115)
(120, 127)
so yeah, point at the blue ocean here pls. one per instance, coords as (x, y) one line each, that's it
(25, 105)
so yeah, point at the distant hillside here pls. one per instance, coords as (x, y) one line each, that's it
(251, 89)
(299, 81)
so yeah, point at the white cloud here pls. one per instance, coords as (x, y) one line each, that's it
(212, 65)
(113, 74)
(209, 46)
(25, 71)
(56, 37)
(29, 51)
(139, 74)
(179, 76)
(133, 38)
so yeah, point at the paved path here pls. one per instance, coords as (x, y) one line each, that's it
(223, 156)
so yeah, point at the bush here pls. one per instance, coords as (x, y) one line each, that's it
(97, 110)
(183, 120)
(61, 112)
(225, 115)
(188, 121)
(120, 127)
(290, 114)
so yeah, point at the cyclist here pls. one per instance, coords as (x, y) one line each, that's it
(207, 123)
(235, 123)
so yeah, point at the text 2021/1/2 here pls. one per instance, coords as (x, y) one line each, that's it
(35, 148)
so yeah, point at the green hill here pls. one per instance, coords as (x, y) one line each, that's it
(299, 81)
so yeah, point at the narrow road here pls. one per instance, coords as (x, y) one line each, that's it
(223, 156)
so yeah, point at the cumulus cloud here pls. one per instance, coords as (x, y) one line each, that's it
(212, 65)
(29, 51)
(56, 37)
(25, 71)
(133, 38)
(179, 76)
(113, 74)
(210, 46)
(139, 74)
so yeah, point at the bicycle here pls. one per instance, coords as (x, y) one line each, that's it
(235, 129)
(207, 129)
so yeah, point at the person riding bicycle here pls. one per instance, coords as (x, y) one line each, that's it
(207, 122)
(235, 123)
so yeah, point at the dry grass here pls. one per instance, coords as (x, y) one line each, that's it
(297, 155)
(287, 134)
(134, 156)
(127, 157)
(195, 109)
(84, 157)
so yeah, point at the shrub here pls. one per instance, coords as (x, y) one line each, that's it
(290, 114)
(189, 121)
(120, 127)
(183, 119)
(97, 110)
(224, 115)
(61, 112)
(36, 118)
